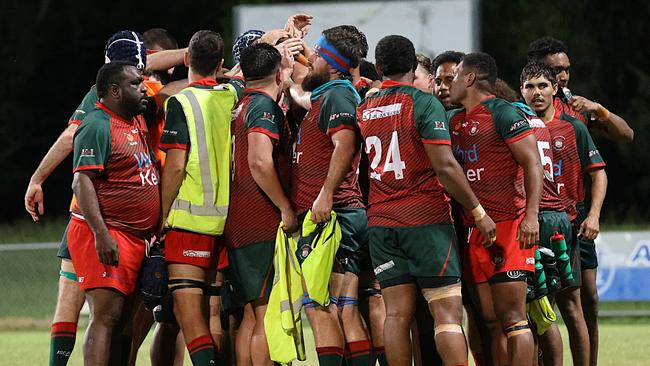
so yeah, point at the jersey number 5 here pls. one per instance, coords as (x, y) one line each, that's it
(547, 163)
(393, 160)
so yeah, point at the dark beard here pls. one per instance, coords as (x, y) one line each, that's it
(313, 81)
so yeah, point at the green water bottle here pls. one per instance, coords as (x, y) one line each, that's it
(558, 245)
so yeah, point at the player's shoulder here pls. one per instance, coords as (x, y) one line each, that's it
(339, 93)
(503, 111)
(97, 119)
(574, 122)
(261, 102)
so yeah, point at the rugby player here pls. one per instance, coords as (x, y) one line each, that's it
(443, 73)
(423, 78)
(325, 160)
(538, 86)
(555, 54)
(118, 201)
(412, 239)
(121, 46)
(195, 187)
(260, 174)
(498, 152)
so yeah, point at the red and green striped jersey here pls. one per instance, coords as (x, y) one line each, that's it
(334, 110)
(550, 198)
(480, 140)
(575, 154)
(127, 186)
(86, 106)
(562, 107)
(252, 216)
(395, 123)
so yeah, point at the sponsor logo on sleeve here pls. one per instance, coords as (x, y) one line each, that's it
(439, 125)
(340, 115)
(382, 112)
(384, 267)
(593, 153)
(518, 124)
(269, 117)
(87, 153)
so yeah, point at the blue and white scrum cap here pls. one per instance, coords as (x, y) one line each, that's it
(127, 46)
(243, 41)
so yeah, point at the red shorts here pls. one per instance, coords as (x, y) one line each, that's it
(186, 247)
(503, 256)
(91, 273)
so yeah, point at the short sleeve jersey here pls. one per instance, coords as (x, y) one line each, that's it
(563, 108)
(252, 216)
(395, 123)
(550, 198)
(480, 140)
(574, 155)
(127, 185)
(87, 105)
(333, 111)
(175, 134)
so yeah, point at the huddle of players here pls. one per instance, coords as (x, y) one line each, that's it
(418, 155)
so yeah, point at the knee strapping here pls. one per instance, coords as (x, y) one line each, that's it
(69, 275)
(433, 294)
(451, 328)
(346, 300)
(308, 303)
(188, 285)
(517, 329)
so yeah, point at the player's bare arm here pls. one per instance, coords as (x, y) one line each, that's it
(260, 162)
(340, 164)
(57, 153)
(526, 155)
(105, 244)
(165, 60)
(591, 227)
(172, 177)
(614, 127)
(453, 179)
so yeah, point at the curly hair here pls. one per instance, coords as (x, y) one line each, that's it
(395, 55)
(542, 47)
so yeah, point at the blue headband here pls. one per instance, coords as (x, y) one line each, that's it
(332, 56)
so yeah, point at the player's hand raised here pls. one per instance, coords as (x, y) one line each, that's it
(107, 250)
(489, 229)
(528, 232)
(298, 25)
(583, 105)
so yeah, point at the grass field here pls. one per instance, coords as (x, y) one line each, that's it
(622, 343)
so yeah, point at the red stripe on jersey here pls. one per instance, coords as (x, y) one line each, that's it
(592, 167)
(436, 142)
(74, 122)
(264, 131)
(99, 167)
(519, 137)
(331, 131)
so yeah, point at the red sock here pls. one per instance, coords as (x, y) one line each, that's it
(202, 351)
(329, 356)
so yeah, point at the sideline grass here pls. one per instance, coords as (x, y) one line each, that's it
(621, 344)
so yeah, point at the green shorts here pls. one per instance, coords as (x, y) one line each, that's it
(354, 238)
(64, 252)
(251, 271)
(428, 254)
(551, 222)
(587, 248)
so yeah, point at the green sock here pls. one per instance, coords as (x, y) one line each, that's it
(329, 356)
(62, 343)
(202, 351)
(380, 353)
(359, 353)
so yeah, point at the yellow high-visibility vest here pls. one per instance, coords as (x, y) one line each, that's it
(201, 205)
